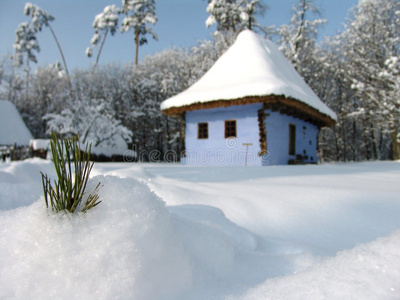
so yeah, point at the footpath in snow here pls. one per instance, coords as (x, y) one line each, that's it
(180, 232)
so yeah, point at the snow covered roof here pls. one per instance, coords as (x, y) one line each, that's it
(39, 144)
(12, 128)
(251, 67)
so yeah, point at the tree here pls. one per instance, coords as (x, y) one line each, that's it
(297, 39)
(249, 10)
(49, 94)
(103, 23)
(139, 13)
(391, 75)
(25, 43)
(344, 141)
(12, 84)
(370, 42)
(93, 120)
(41, 18)
(235, 15)
(225, 13)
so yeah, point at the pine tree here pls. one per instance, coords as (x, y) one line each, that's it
(41, 18)
(139, 13)
(225, 13)
(371, 41)
(297, 39)
(25, 43)
(249, 9)
(235, 15)
(103, 23)
(391, 75)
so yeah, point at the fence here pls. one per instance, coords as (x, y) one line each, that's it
(15, 152)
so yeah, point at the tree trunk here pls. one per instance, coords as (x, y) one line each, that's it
(137, 35)
(344, 142)
(301, 27)
(100, 49)
(336, 135)
(366, 146)
(396, 145)
(373, 140)
(62, 56)
(27, 78)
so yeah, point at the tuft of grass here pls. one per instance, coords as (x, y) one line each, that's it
(73, 168)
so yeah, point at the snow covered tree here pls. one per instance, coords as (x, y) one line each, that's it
(103, 23)
(139, 13)
(225, 13)
(371, 41)
(297, 39)
(249, 10)
(49, 94)
(234, 15)
(93, 120)
(12, 83)
(392, 76)
(25, 44)
(342, 142)
(41, 18)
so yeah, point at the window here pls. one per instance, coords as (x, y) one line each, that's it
(230, 128)
(202, 130)
(292, 139)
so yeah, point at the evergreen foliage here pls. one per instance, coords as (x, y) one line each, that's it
(41, 18)
(73, 168)
(235, 15)
(25, 42)
(139, 13)
(103, 23)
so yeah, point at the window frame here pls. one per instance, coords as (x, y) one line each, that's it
(228, 129)
(202, 133)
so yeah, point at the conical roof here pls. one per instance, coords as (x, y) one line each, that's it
(251, 67)
(12, 128)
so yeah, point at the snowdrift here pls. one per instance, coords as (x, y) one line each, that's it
(125, 249)
(369, 271)
(193, 233)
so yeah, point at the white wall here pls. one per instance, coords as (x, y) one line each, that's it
(216, 150)
(278, 139)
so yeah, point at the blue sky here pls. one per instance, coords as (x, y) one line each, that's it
(181, 23)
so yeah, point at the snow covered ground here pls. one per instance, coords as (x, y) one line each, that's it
(181, 232)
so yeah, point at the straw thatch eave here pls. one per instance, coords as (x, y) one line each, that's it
(284, 105)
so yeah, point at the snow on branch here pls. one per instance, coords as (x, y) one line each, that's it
(25, 42)
(105, 22)
(39, 16)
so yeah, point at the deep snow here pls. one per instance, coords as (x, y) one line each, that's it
(181, 232)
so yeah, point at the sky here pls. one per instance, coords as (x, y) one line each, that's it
(181, 23)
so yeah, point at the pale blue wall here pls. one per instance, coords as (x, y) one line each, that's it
(216, 150)
(278, 139)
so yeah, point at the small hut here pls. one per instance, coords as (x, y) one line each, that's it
(14, 135)
(250, 108)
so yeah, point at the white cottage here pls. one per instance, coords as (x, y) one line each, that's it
(12, 128)
(14, 135)
(250, 108)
